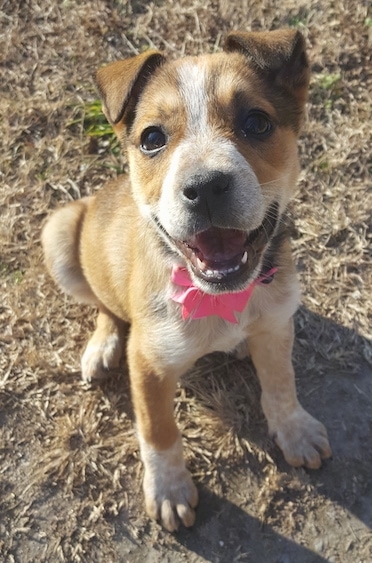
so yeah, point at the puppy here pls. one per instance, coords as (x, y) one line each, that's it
(191, 247)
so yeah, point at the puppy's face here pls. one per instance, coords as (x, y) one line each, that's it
(211, 143)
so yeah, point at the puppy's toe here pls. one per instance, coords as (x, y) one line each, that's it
(100, 356)
(186, 512)
(171, 499)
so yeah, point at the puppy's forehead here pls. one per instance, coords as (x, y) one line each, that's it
(192, 78)
(197, 87)
(218, 76)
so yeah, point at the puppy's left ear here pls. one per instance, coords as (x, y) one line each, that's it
(279, 55)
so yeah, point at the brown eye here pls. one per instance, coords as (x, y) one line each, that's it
(153, 139)
(257, 124)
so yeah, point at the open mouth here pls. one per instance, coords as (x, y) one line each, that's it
(218, 255)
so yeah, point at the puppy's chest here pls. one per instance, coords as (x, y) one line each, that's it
(181, 342)
(221, 336)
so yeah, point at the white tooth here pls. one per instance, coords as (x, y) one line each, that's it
(199, 264)
(244, 258)
(216, 274)
(231, 270)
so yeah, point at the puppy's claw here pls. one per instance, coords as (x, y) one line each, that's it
(186, 515)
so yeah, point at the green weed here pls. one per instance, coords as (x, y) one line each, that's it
(94, 123)
(329, 81)
(13, 277)
(297, 21)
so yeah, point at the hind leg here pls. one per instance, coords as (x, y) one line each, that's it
(105, 347)
(61, 244)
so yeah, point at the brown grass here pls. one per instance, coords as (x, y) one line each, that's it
(69, 470)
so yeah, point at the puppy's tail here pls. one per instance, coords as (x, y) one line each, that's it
(61, 244)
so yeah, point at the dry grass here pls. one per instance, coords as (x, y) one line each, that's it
(70, 473)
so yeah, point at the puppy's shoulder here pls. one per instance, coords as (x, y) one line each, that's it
(113, 197)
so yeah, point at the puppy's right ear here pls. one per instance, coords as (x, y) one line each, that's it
(121, 83)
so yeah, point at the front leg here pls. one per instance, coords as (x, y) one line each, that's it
(302, 439)
(170, 494)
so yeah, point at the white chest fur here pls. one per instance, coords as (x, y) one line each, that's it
(179, 343)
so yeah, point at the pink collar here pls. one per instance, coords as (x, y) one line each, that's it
(196, 304)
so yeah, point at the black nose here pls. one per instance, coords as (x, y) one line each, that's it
(204, 191)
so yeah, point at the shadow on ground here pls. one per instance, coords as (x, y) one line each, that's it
(335, 384)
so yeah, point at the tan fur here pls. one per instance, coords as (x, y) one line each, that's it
(108, 250)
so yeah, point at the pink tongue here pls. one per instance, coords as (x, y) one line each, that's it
(218, 245)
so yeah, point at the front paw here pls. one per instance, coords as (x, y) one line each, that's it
(170, 494)
(302, 439)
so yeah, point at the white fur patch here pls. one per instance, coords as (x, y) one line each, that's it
(188, 340)
(164, 461)
(192, 85)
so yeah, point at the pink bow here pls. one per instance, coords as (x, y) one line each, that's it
(196, 304)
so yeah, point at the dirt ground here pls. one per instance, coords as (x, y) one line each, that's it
(70, 475)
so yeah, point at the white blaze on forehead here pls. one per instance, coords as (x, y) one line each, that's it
(192, 84)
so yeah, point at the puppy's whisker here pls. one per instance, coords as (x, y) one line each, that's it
(264, 184)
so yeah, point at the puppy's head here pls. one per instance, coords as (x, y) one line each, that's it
(211, 142)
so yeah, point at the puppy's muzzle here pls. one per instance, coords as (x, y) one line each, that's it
(220, 249)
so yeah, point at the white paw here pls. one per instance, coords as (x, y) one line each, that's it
(100, 356)
(302, 439)
(170, 494)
